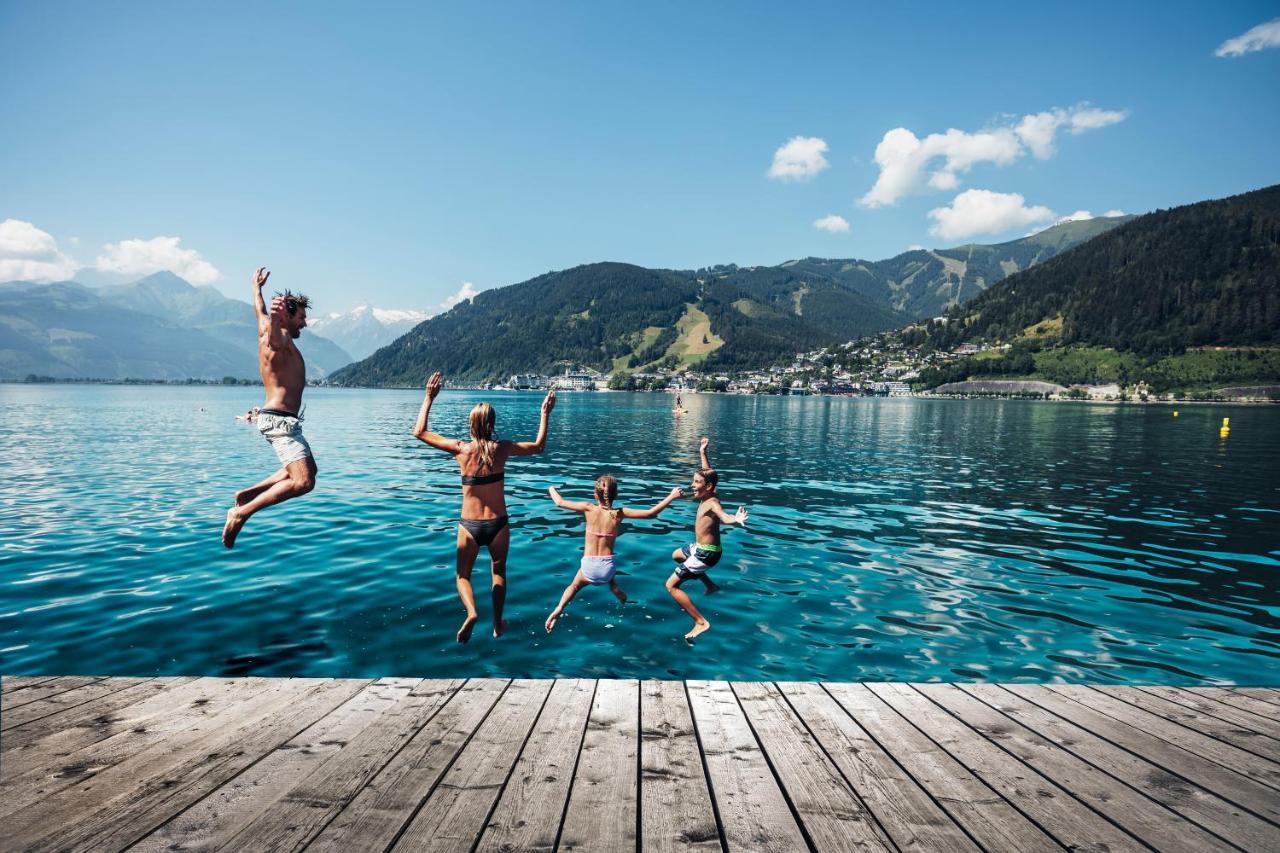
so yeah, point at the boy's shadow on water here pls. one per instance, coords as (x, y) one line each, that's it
(303, 650)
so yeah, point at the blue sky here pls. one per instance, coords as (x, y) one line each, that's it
(391, 153)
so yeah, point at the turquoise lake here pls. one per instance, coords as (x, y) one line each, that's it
(889, 539)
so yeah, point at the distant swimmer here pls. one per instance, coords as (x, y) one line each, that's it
(483, 461)
(284, 376)
(604, 525)
(679, 409)
(693, 560)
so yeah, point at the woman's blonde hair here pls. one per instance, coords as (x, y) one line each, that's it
(482, 422)
(607, 492)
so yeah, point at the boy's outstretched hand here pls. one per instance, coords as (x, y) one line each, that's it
(702, 445)
(740, 517)
(677, 492)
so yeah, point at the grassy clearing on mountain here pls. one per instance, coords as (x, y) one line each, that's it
(695, 340)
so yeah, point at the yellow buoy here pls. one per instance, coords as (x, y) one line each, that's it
(1226, 423)
(1175, 413)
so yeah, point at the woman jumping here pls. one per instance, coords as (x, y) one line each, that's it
(483, 461)
(604, 523)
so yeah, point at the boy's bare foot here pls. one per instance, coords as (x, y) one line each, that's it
(711, 586)
(698, 628)
(232, 528)
(621, 596)
(551, 621)
(499, 629)
(243, 496)
(464, 633)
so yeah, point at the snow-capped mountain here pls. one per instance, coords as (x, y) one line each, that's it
(365, 329)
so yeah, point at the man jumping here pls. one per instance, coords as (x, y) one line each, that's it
(284, 376)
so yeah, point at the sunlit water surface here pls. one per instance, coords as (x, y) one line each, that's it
(894, 539)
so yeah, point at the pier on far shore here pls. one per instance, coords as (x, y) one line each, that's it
(151, 764)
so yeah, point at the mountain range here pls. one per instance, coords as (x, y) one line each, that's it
(365, 329)
(1200, 275)
(614, 316)
(159, 327)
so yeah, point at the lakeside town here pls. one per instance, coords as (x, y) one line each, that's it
(881, 366)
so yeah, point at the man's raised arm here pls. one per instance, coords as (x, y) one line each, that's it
(270, 325)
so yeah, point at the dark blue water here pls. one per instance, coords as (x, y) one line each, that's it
(889, 539)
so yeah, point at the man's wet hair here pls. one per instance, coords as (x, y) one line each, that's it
(294, 301)
(710, 477)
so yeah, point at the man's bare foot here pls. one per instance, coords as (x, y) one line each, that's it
(551, 621)
(232, 528)
(698, 628)
(499, 629)
(464, 633)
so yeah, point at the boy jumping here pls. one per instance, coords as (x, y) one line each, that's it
(693, 560)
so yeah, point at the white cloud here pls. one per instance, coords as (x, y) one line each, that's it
(1037, 131)
(908, 164)
(833, 223)
(465, 294)
(143, 257)
(29, 254)
(975, 212)
(799, 159)
(1260, 37)
(915, 247)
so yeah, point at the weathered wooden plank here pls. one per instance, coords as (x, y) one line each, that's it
(125, 803)
(904, 810)
(1259, 769)
(1270, 695)
(753, 809)
(675, 803)
(1143, 818)
(10, 683)
(215, 820)
(1236, 699)
(984, 814)
(374, 818)
(457, 810)
(833, 816)
(33, 711)
(1170, 757)
(601, 815)
(294, 820)
(1248, 731)
(92, 715)
(44, 690)
(1192, 801)
(1056, 810)
(527, 816)
(164, 722)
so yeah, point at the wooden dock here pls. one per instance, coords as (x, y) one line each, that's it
(239, 764)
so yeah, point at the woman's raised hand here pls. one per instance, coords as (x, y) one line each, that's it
(549, 402)
(433, 385)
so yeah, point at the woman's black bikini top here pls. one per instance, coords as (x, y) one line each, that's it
(468, 480)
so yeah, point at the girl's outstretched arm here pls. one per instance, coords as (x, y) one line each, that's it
(528, 448)
(420, 431)
(652, 511)
(575, 506)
